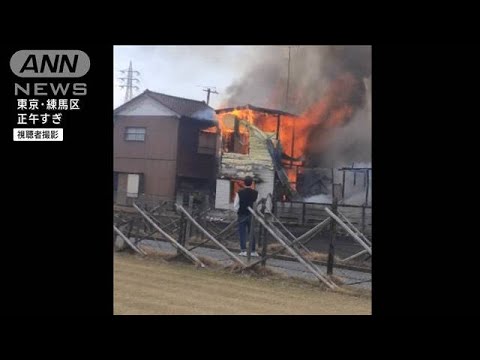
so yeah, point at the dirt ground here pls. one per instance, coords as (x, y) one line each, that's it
(154, 286)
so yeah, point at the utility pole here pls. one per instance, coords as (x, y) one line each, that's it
(287, 108)
(129, 79)
(210, 90)
(336, 192)
(288, 79)
(333, 235)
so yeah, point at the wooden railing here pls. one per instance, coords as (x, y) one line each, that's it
(302, 213)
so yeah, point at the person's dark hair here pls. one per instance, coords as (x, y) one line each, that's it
(248, 181)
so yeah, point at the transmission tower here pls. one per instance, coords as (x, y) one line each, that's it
(128, 82)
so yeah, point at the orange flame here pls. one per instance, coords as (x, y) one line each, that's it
(292, 174)
(226, 124)
(211, 129)
(333, 110)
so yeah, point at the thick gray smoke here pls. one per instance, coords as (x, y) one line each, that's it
(352, 143)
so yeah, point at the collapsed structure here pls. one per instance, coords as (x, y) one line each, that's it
(281, 151)
(251, 145)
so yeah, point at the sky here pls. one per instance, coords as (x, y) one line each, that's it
(184, 70)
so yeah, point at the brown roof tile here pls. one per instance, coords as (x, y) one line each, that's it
(182, 106)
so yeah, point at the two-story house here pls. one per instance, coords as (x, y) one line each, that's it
(161, 147)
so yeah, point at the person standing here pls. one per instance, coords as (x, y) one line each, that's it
(244, 199)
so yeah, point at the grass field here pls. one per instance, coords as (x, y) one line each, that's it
(154, 286)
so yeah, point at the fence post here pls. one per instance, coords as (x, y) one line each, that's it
(137, 232)
(204, 208)
(130, 227)
(189, 227)
(264, 235)
(304, 209)
(368, 185)
(260, 239)
(181, 233)
(264, 245)
(333, 231)
(363, 219)
(206, 204)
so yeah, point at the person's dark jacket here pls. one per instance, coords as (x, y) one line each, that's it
(247, 198)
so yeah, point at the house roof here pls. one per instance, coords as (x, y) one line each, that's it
(255, 108)
(182, 106)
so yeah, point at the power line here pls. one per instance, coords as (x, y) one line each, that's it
(129, 79)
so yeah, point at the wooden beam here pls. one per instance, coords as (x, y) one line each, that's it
(333, 235)
(122, 222)
(188, 231)
(354, 169)
(130, 228)
(312, 269)
(293, 238)
(288, 242)
(354, 228)
(182, 234)
(138, 250)
(173, 222)
(363, 219)
(296, 241)
(264, 238)
(304, 211)
(319, 204)
(150, 234)
(155, 208)
(265, 256)
(278, 127)
(350, 231)
(313, 231)
(229, 226)
(198, 245)
(368, 186)
(195, 223)
(354, 256)
(171, 239)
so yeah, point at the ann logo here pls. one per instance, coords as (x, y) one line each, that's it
(50, 63)
(56, 65)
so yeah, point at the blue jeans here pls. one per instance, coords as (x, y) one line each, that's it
(244, 222)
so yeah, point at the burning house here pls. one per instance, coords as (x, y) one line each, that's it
(329, 90)
(297, 157)
(260, 143)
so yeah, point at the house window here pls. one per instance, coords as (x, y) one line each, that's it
(207, 142)
(235, 143)
(135, 134)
